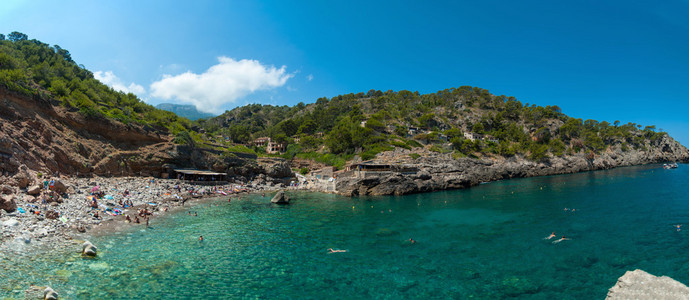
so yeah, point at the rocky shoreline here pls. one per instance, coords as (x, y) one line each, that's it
(438, 171)
(32, 215)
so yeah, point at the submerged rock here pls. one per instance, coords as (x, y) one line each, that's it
(640, 285)
(49, 294)
(88, 249)
(280, 198)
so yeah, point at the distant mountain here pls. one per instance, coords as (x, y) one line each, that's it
(188, 111)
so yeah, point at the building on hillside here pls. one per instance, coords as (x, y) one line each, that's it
(471, 136)
(260, 142)
(199, 176)
(371, 169)
(274, 147)
(325, 173)
(492, 139)
(412, 131)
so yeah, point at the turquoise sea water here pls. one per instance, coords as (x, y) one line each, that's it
(485, 242)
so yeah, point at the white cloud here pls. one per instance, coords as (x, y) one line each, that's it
(221, 84)
(310, 77)
(109, 79)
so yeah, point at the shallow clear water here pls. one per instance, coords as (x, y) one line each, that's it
(485, 242)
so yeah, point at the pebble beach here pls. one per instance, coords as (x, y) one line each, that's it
(69, 219)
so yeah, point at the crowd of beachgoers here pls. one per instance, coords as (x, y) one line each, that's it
(87, 206)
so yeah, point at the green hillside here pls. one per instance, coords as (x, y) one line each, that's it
(333, 130)
(36, 69)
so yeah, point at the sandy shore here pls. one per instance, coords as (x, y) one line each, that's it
(34, 229)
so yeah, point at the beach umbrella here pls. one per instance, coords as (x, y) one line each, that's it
(95, 188)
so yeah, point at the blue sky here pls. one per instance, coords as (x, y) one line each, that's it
(604, 60)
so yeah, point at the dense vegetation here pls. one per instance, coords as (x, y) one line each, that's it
(334, 130)
(36, 69)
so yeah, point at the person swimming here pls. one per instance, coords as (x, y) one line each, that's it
(679, 226)
(552, 235)
(331, 250)
(200, 238)
(563, 238)
(412, 241)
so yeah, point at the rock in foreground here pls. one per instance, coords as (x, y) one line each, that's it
(280, 198)
(88, 249)
(638, 284)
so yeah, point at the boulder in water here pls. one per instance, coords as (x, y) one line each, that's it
(49, 294)
(88, 249)
(280, 198)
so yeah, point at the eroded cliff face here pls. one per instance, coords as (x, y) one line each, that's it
(46, 137)
(441, 171)
(39, 136)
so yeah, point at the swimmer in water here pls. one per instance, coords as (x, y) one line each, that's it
(678, 226)
(412, 241)
(552, 235)
(331, 250)
(563, 238)
(200, 238)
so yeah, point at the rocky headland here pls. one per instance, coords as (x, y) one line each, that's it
(436, 171)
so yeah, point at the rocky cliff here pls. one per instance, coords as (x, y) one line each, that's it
(442, 171)
(43, 136)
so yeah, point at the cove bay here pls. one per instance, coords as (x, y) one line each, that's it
(485, 242)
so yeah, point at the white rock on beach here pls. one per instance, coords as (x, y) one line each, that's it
(11, 222)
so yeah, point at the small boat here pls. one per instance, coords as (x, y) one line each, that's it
(670, 166)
